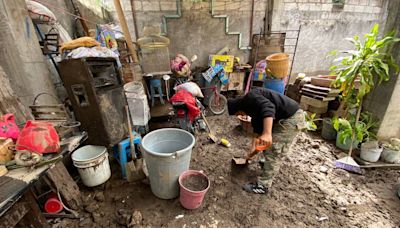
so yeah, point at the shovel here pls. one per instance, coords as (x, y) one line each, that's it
(211, 134)
(134, 168)
(244, 161)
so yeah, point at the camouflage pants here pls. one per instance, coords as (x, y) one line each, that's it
(283, 134)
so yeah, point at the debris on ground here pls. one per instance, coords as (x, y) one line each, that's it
(301, 192)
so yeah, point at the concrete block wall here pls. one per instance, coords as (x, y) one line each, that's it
(324, 27)
(197, 29)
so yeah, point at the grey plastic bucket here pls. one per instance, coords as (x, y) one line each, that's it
(167, 154)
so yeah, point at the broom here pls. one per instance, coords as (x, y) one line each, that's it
(348, 163)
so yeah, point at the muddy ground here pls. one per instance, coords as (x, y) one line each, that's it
(307, 191)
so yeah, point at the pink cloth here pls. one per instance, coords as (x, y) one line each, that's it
(8, 127)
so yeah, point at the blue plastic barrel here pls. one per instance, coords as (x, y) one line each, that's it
(277, 85)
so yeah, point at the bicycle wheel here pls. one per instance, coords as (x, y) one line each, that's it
(217, 104)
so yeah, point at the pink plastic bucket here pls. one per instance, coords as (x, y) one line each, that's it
(191, 199)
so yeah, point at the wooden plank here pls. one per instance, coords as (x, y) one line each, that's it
(66, 185)
(14, 215)
(320, 88)
(317, 96)
(34, 217)
(324, 94)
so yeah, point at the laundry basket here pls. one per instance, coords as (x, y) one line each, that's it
(278, 65)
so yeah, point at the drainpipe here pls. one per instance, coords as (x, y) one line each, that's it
(177, 15)
(226, 18)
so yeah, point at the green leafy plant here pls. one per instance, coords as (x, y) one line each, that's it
(310, 122)
(345, 129)
(369, 62)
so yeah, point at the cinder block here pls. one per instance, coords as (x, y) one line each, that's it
(137, 5)
(376, 3)
(314, 109)
(151, 6)
(326, 7)
(377, 9)
(315, 7)
(359, 9)
(363, 2)
(313, 102)
(233, 6)
(290, 6)
(348, 8)
(167, 6)
(304, 7)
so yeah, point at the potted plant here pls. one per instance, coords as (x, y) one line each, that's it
(345, 131)
(391, 151)
(368, 62)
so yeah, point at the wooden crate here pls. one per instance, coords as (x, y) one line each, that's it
(236, 82)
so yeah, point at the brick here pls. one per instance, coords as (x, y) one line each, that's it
(168, 6)
(219, 6)
(290, 6)
(151, 6)
(313, 102)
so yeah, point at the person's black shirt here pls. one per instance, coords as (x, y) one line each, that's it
(260, 103)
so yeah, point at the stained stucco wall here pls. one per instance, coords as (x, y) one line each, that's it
(20, 54)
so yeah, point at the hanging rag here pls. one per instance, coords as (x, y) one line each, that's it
(190, 102)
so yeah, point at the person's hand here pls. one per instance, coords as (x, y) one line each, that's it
(266, 139)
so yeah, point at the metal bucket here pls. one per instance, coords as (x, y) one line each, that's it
(167, 154)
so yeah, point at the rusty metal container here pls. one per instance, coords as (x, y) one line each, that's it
(95, 88)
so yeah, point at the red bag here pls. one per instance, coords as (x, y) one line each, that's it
(39, 137)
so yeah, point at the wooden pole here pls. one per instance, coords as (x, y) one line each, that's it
(125, 30)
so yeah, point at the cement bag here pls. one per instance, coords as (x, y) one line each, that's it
(191, 87)
(39, 137)
(40, 12)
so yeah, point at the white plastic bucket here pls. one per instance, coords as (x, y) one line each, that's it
(167, 154)
(137, 103)
(370, 151)
(92, 164)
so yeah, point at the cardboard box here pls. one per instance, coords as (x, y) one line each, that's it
(225, 60)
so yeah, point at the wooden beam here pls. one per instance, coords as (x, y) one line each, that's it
(64, 183)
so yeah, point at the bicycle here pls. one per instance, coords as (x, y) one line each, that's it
(217, 102)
